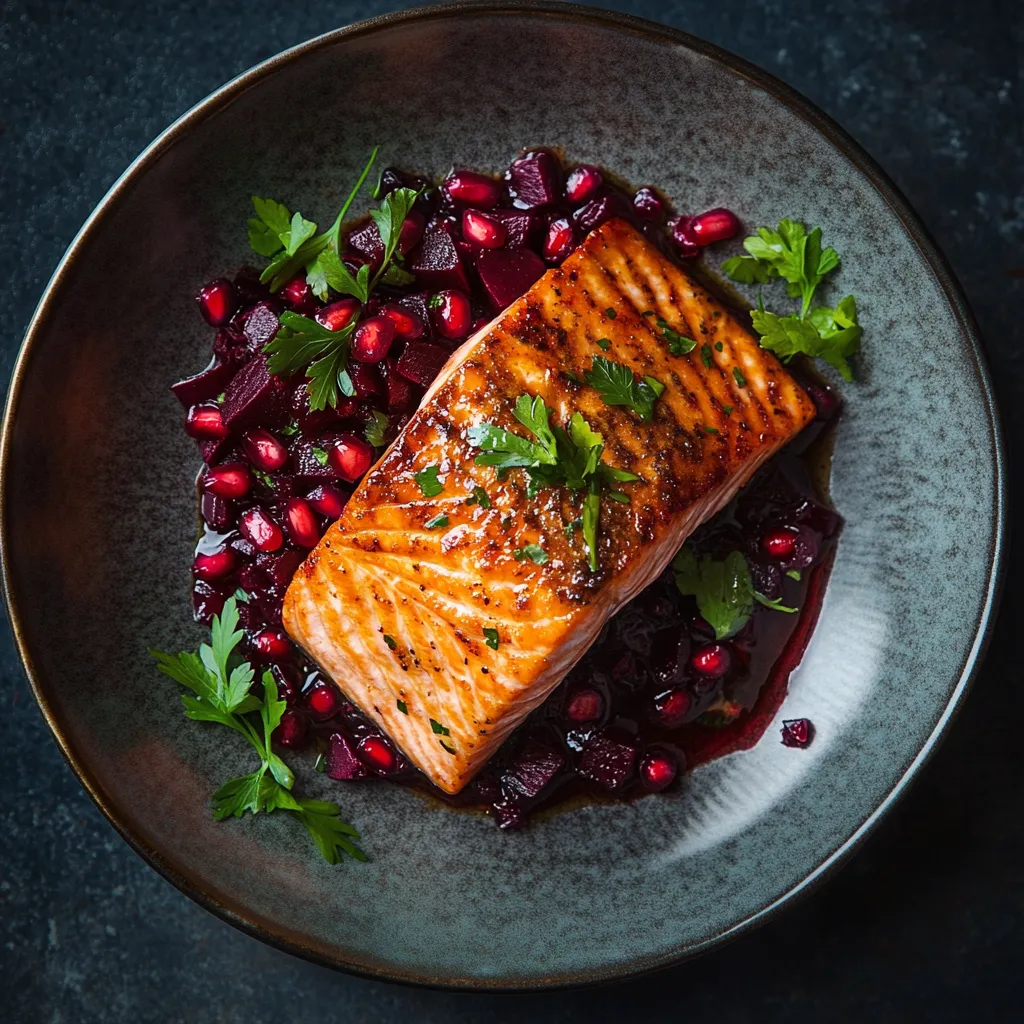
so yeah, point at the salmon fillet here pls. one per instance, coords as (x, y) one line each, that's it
(395, 611)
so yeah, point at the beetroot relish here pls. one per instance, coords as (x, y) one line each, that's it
(657, 694)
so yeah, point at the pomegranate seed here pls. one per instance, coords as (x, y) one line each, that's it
(372, 339)
(260, 530)
(407, 323)
(217, 302)
(272, 646)
(367, 380)
(299, 297)
(264, 450)
(207, 601)
(672, 707)
(288, 683)
(825, 400)
(228, 481)
(483, 230)
(683, 236)
(473, 189)
(205, 423)
(585, 705)
(647, 203)
(338, 314)
(559, 240)
(301, 523)
(779, 544)
(377, 753)
(658, 769)
(323, 701)
(291, 731)
(582, 183)
(714, 226)
(351, 457)
(216, 565)
(452, 314)
(327, 500)
(797, 732)
(712, 660)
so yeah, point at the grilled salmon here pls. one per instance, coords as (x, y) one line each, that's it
(432, 613)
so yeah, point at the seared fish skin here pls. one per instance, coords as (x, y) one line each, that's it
(395, 612)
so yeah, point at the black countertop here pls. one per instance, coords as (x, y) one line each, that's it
(925, 923)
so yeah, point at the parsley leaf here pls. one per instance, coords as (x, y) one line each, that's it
(505, 450)
(389, 217)
(491, 638)
(737, 375)
(402, 706)
(429, 485)
(479, 497)
(829, 334)
(321, 456)
(436, 523)
(678, 344)
(706, 356)
(534, 552)
(603, 343)
(300, 341)
(438, 729)
(375, 427)
(618, 386)
(390, 641)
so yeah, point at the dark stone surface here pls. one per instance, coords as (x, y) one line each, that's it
(926, 923)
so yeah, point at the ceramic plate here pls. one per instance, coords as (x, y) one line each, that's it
(98, 523)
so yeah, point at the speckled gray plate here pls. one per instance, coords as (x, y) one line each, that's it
(98, 520)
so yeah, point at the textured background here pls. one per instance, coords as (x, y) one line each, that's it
(927, 922)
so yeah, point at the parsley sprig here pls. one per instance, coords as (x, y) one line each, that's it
(557, 457)
(221, 691)
(723, 588)
(618, 385)
(303, 342)
(792, 253)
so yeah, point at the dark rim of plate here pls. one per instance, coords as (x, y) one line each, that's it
(268, 930)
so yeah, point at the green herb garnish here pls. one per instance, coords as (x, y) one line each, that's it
(794, 574)
(438, 729)
(534, 552)
(301, 342)
(436, 523)
(402, 706)
(375, 428)
(321, 456)
(429, 485)
(619, 386)
(610, 313)
(220, 683)
(678, 344)
(737, 375)
(479, 497)
(706, 356)
(603, 343)
(491, 638)
(390, 641)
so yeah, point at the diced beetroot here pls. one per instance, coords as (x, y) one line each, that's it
(323, 419)
(421, 361)
(417, 303)
(400, 393)
(256, 397)
(338, 314)
(278, 569)
(342, 762)
(207, 601)
(242, 547)
(436, 262)
(607, 761)
(533, 768)
(218, 512)
(598, 210)
(411, 232)
(204, 386)
(328, 500)
(508, 815)
(367, 381)
(260, 325)
(308, 464)
(524, 227)
(534, 179)
(367, 241)
(232, 346)
(506, 274)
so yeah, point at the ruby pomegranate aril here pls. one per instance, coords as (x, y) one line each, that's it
(648, 205)
(473, 189)
(260, 530)
(350, 457)
(797, 732)
(328, 501)
(714, 226)
(272, 646)
(658, 769)
(559, 241)
(217, 302)
(672, 707)
(299, 297)
(265, 451)
(584, 705)
(582, 184)
(342, 762)
(407, 322)
(301, 523)
(711, 660)
(400, 393)
(376, 752)
(684, 238)
(482, 230)
(292, 730)
(231, 480)
(597, 211)
(206, 423)
(780, 543)
(323, 701)
(215, 565)
(372, 339)
(452, 314)
(338, 314)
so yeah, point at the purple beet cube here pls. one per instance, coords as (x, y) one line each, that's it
(535, 179)
(212, 450)
(342, 763)
(535, 766)
(367, 241)
(421, 361)
(259, 326)
(506, 274)
(509, 815)
(436, 261)
(607, 761)
(308, 459)
(523, 226)
(204, 386)
(218, 512)
(255, 395)
(278, 569)
(597, 211)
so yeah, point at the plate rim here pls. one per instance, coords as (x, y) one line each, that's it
(292, 942)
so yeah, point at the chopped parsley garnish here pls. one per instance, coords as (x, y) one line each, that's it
(604, 343)
(794, 574)
(479, 497)
(534, 552)
(491, 638)
(570, 458)
(435, 302)
(375, 428)
(438, 729)
(429, 485)
(610, 313)
(402, 706)
(241, 596)
(719, 347)
(678, 344)
(737, 375)
(710, 430)
(727, 410)
(390, 641)
(436, 523)
(792, 253)
(571, 528)
(289, 429)
(618, 386)
(264, 478)
(450, 749)
(221, 685)
(647, 312)
(301, 341)
(320, 455)
(723, 588)
(706, 356)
